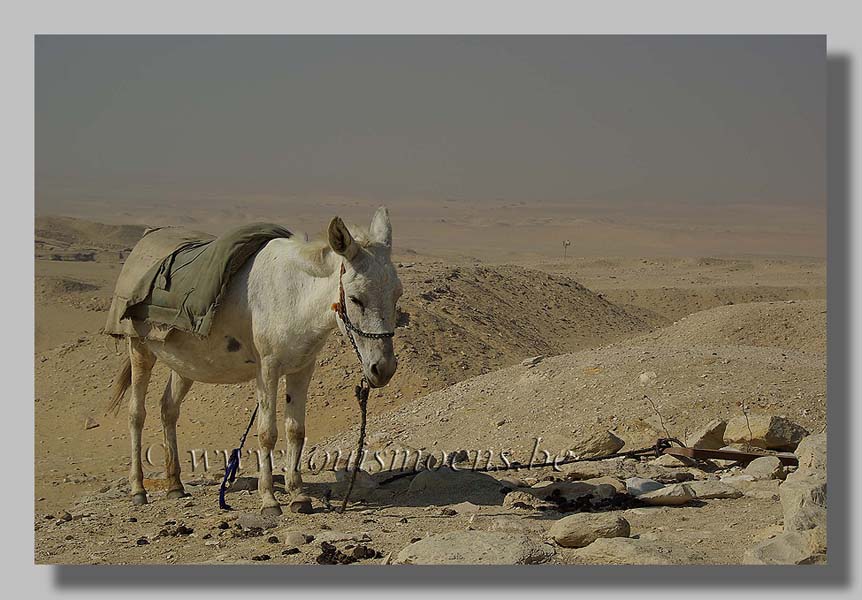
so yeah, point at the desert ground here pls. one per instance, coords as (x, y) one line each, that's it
(649, 327)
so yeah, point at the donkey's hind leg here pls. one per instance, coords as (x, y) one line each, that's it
(176, 389)
(142, 367)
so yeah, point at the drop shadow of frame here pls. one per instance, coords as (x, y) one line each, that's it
(833, 575)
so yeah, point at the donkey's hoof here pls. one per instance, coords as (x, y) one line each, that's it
(139, 499)
(271, 511)
(175, 494)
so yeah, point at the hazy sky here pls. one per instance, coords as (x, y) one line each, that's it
(640, 119)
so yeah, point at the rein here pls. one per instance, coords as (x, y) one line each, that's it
(361, 392)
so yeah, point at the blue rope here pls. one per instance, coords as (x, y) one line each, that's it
(232, 465)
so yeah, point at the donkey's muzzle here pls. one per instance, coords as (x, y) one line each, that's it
(381, 371)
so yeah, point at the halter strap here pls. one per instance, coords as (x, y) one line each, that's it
(341, 310)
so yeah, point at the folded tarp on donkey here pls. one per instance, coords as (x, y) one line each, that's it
(174, 278)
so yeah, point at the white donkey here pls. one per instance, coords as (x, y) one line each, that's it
(276, 316)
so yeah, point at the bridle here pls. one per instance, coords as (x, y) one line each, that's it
(340, 309)
(362, 390)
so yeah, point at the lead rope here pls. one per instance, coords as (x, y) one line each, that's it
(232, 465)
(362, 390)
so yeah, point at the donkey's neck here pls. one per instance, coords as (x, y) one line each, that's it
(301, 286)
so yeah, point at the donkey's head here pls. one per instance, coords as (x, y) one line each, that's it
(371, 289)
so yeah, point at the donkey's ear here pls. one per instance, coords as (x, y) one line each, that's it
(381, 228)
(340, 239)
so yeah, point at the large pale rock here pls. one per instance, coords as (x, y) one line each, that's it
(589, 444)
(765, 467)
(448, 486)
(670, 495)
(803, 500)
(789, 548)
(709, 437)
(581, 529)
(765, 431)
(629, 551)
(476, 548)
(711, 489)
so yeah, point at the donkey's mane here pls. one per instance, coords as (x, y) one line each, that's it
(316, 253)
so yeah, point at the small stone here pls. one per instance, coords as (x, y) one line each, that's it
(295, 538)
(90, 423)
(670, 495)
(581, 529)
(273, 539)
(142, 541)
(639, 485)
(766, 467)
(532, 361)
(261, 557)
(289, 551)
(647, 377)
(66, 516)
(301, 505)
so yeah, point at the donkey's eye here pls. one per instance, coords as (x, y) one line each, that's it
(356, 301)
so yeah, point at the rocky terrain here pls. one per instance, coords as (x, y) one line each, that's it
(592, 356)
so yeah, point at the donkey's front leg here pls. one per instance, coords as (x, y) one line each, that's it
(267, 432)
(294, 424)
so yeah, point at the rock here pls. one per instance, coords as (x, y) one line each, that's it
(519, 500)
(617, 484)
(561, 490)
(581, 529)
(448, 486)
(669, 495)
(295, 538)
(811, 453)
(765, 467)
(765, 431)
(630, 551)
(465, 508)
(764, 489)
(639, 485)
(301, 505)
(257, 521)
(532, 361)
(803, 500)
(518, 525)
(334, 537)
(590, 444)
(712, 489)
(363, 479)
(709, 437)
(476, 548)
(90, 423)
(647, 377)
(666, 460)
(789, 548)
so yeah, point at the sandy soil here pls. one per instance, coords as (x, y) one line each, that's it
(719, 332)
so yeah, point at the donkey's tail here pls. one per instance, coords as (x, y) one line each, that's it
(122, 381)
